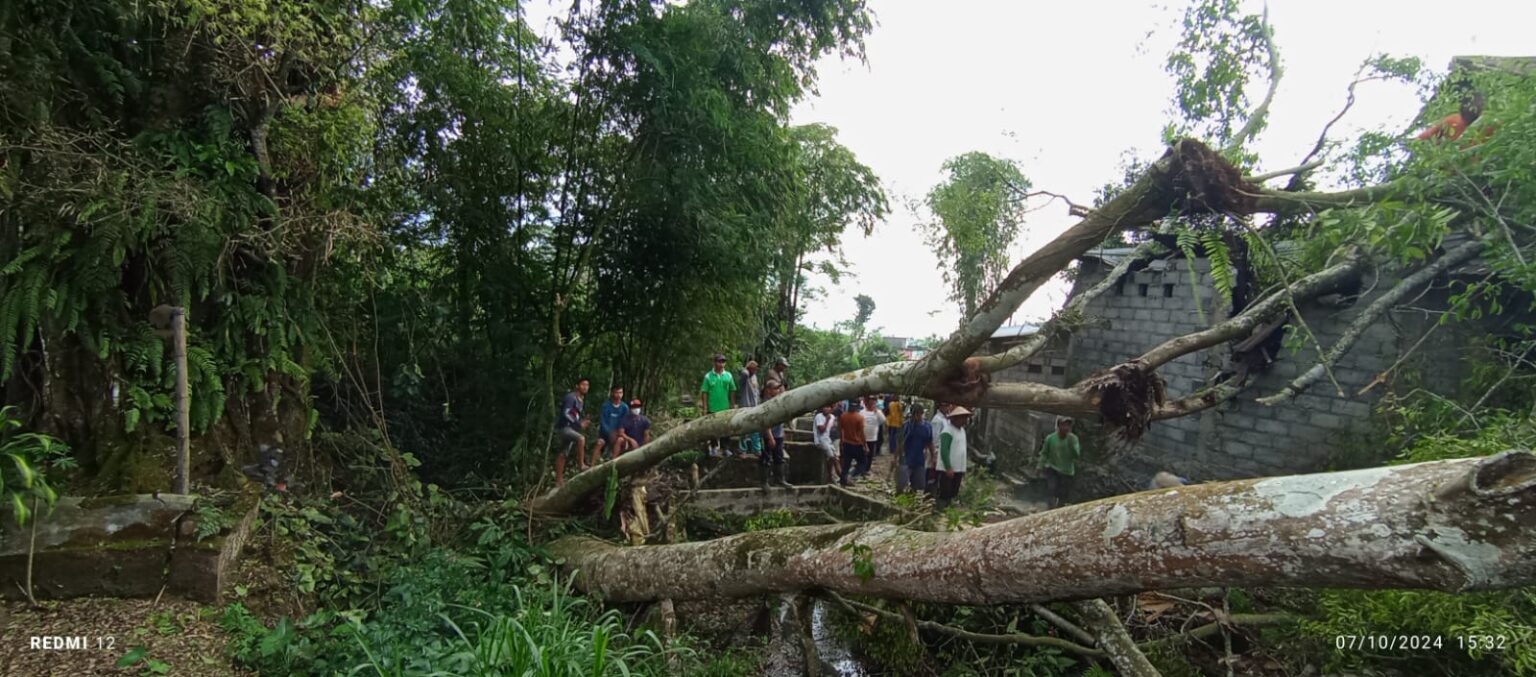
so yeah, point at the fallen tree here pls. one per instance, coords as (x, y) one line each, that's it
(1189, 179)
(1460, 525)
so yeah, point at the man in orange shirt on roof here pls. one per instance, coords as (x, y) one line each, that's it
(1451, 127)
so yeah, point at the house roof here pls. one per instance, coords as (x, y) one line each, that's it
(1517, 65)
(1015, 331)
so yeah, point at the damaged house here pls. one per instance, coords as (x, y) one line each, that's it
(1171, 296)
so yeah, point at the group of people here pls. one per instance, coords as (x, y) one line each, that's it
(933, 452)
(722, 391)
(621, 427)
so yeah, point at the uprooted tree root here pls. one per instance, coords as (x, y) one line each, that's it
(1201, 180)
(1126, 395)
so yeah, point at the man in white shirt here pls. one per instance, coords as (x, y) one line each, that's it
(874, 421)
(952, 455)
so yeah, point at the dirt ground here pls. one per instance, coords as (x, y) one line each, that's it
(180, 638)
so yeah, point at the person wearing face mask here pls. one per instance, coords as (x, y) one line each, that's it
(636, 428)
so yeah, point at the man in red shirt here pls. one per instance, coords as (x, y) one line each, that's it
(851, 428)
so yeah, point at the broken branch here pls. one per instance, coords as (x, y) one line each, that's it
(1460, 254)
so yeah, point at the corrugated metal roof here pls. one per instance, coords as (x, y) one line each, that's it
(1015, 331)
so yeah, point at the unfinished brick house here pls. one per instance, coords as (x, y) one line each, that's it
(1321, 428)
(1241, 438)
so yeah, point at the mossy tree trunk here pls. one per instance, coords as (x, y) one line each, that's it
(1447, 525)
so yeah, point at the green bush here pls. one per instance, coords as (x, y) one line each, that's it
(492, 606)
(1453, 619)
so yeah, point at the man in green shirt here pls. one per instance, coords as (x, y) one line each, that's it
(1058, 457)
(716, 394)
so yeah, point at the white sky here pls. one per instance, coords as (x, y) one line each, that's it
(1065, 89)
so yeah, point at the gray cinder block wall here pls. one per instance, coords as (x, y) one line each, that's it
(1240, 438)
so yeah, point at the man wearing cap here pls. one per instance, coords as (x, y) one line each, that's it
(1058, 458)
(717, 394)
(777, 372)
(772, 459)
(749, 395)
(952, 455)
(636, 430)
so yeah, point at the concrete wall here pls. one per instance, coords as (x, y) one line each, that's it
(1014, 436)
(1241, 438)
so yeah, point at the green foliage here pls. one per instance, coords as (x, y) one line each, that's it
(26, 459)
(978, 208)
(1455, 618)
(1220, 52)
(211, 520)
(486, 605)
(978, 491)
(821, 353)
(862, 558)
(138, 656)
(773, 519)
(611, 491)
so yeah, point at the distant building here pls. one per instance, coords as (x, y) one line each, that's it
(910, 348)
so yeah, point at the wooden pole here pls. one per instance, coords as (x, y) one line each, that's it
(183, 414)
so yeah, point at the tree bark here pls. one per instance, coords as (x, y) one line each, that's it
(1459, 525)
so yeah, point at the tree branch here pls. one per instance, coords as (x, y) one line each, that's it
(1200, 401)
(1084, 644)
(1465, 252)
(1244, 322)
(1116, 642)
(1283, 202)
(960, 633)
(1256, 120)
(1214, 627)
(1322, 137)
(1062, 320)
(1368, 528)
(1068, 626)
(1299, 169)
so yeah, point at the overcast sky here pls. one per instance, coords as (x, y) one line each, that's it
(1067, 89)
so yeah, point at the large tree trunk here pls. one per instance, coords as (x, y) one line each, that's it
(1447, 525)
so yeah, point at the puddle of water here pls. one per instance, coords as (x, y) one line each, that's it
(836, 656)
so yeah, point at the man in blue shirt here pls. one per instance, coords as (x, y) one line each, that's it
(568, 426)
(608, 422)
(917, 447)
